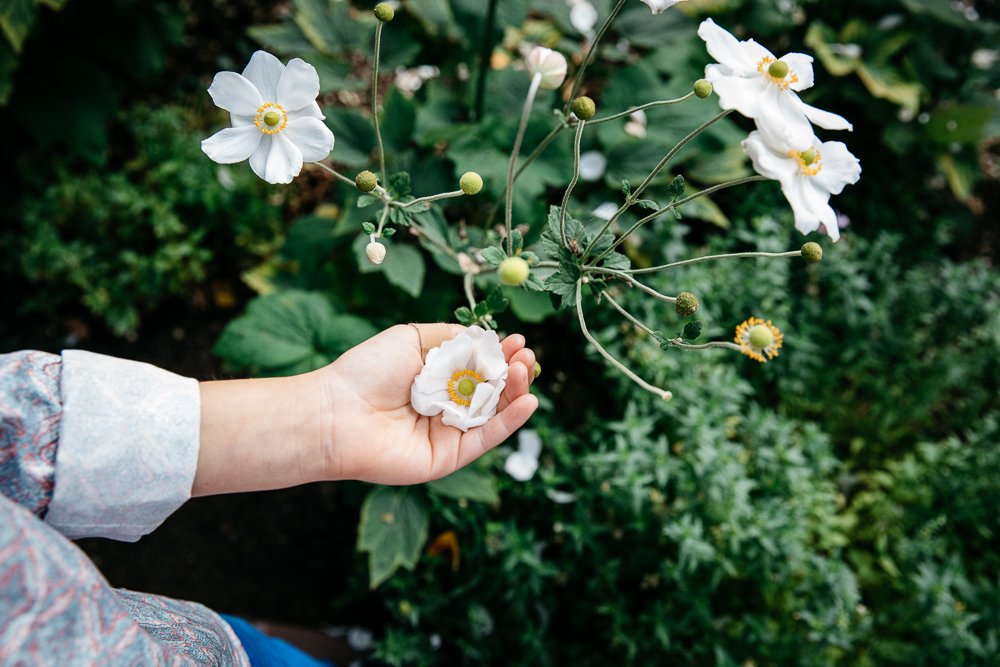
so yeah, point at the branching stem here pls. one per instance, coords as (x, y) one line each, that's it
(529, 102)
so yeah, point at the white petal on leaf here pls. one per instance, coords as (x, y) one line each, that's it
(235, 94)
(298, 86)
(264, 71)
(233, 144)
(312, 136)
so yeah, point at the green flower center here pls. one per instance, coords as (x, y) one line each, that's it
(467, 387)
(272, 118)
(778, 69)
(809, 156)
(761, 336)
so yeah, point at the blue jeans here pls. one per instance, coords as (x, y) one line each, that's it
(266, 651)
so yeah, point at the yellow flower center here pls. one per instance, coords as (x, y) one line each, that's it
(810, 161)
(271, 118)
(462, 386)
(777, 71)
(758, 339)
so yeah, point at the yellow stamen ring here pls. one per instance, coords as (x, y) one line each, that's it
(764, 67)
(462, 386)
(756, 352)
(271, 118)
(810, 161)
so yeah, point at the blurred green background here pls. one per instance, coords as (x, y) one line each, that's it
(838, 506)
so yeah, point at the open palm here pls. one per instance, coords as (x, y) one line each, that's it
(374, 433)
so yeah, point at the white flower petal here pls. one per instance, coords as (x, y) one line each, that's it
(236, 120)
(233, 144)
(741, 57)
(263, 71)
(312, 136)
(258, 161)
(840, 168)
(484, 395)
(453, 355)
(284, 161)
(659, 6)
(810, 205)
(783, 124)
(593, 164)
(529, 442)
(768, 162)
(801, 65)
(550, 64)
(825, 119)
(560, 497)
(235, 94)
(737, 92)
(583, 17)
(308, 111)
(520, 466)
(298, 86)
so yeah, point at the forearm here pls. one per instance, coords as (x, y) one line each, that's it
(260, 434)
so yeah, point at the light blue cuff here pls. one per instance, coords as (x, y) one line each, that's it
(128, 447)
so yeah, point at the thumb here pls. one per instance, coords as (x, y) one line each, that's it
(432, 335)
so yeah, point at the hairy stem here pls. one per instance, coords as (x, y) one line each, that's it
(429, 198)
(591, 52)
(467, 284)
(529, 101)
(630, 281)
(335, 173)
(573, 181)
(641, 107)
(627, 315)
(707, 258)
(375, 122)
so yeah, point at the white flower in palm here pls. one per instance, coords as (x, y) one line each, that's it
(660, 6)
(462, 380)
(551, 65)
(749, 79)
(807, 178)
(276, 122)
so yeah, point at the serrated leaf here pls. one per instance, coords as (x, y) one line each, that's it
(393, 530)
(617, 261)
(497, 301)
(493, 255)
(464, 315)
(563, 286)
(648, 203)
(676, 188)
(368, 227)
(468, 484)
(626, 188)
(481, 309)
(692, 330)
(399, 185)
(551, 241)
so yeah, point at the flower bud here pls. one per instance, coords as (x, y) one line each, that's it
(538, 370)
(686, 304)
(812, 252)
(550, 64)
(375, 252)
(471, 183)
(366, 181)
(513, 271)
(384, 12)
(702, 88)
(584, 108)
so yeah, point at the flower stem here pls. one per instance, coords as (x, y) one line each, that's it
(382, 219)
(661, 393)
(529, 101)
(706, 258)
(642, 107)
(676, 342)
(634, 196)
(572, 183)
(630, 281)
(423, 233)
(467, 284)
(525, 163)
(591, 52)
(335, 173)
(429, 198)
(674, 205)
(627, 315)
(378, 132)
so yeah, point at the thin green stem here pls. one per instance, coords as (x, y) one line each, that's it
(525, 163)
(674, 205)
(335, 173)
(423, 233)
(572, 183)
(429, 198)
(677, 342)
(630, 281)
(591, 52)
(469, 294)
(634, 196)
(642, 107)
(529, 101)
(378, 131)
(382, 219)
(627, 315)
(707, 258)
(661, 393)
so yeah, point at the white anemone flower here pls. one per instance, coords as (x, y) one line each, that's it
(593, 164)
(462, 379)
(752, 81)
(523, 463)
(550, 64)
(660, 6)
(807, 178)
(276, 123)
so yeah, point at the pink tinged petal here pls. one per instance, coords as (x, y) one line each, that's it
(235, 94)
(258, 161)
(233, 144)
(741, 57)
(743, 95)
(308, 111)
(284, 162)
(312, 136)
(768, 162)
(825, 119)
(264, 71)
(298, 86)
(840, 168)
(801, 65)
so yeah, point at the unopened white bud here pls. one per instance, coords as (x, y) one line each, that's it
(550, 64)
(375, 252)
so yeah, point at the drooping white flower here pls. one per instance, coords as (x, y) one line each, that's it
(593, 164)
(550, 64)
(523, 463)
(660, 6)
(276, 123)
(462, 379)
(807, 178)
(749, 79)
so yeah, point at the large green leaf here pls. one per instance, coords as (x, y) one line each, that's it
(403, 266)
(468, 484)
(16, 19)
(290, 332)
(393, 530)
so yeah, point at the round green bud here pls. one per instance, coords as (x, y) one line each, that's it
(812, 252)
(584, 108)
(384, 12)
(471, 183)
(702, 88)
(538, 369)
(366, 181)
(467, 387)
(778, 69)
(761, 336)
(513, 271)
(686, 304)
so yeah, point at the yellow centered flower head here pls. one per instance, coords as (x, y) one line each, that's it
(759, 339)
(462, 386)
(810, 161)
(777, 71)
(271, 118)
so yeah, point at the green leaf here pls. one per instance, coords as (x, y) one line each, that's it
(281, 38)
(562, 285)
(551, 241)
(692, 330)
(464, 315)
(393, 530)
(676, 188)
(368, 227)
(435, 17)
(404, 267)
(493, 255)
(496, 301)
(16, 19)
(518, 240)
(617, 261)
(290, 332)
(469, 484)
